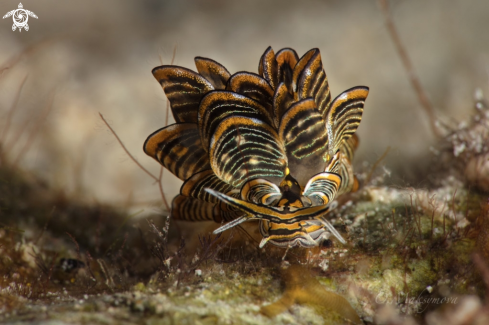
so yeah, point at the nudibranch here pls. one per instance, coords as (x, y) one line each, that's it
(271, 146)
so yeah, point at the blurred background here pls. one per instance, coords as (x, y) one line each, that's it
(96, 56)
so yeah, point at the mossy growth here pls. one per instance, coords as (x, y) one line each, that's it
(89, 263)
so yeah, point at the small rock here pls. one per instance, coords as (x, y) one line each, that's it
(324, 265)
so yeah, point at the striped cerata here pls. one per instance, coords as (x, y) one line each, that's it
(271, 146)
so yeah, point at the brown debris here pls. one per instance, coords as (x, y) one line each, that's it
(302, 288)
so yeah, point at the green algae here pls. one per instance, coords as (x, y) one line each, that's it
(399, 254)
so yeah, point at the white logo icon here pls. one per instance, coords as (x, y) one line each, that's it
(20, 16)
